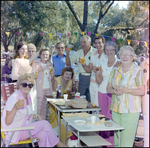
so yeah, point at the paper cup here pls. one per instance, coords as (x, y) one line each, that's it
(65, 96)
(93, 119)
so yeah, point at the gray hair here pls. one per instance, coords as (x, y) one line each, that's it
(86, 36)
(126, 47)
(7, 60)
(111, 43)
(31, 46)
(59, 43)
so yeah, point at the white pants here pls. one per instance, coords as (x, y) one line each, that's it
(146, 123)
(94, 92)
(33, 94)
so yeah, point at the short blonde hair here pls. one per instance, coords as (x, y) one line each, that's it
(126, 47)
(31, 46)
(27, 76)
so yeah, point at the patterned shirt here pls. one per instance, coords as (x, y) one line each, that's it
(126, 103)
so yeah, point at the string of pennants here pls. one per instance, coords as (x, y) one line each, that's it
(83, 33)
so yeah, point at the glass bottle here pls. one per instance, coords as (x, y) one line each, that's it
(68, 92)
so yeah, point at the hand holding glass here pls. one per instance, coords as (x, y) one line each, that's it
(82, 60)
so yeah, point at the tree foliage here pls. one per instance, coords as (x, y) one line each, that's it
(54, 17)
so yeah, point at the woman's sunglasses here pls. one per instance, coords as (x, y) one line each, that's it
(25, 85)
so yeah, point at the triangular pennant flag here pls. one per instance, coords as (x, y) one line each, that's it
(67, 35)
(121, 40)
(59, 34)
(129, 41)
(76, 33)
(145, 44)
(89, 33)
(41, 33)
(27, 34)
(50, 35)
(83, 33)
(137, 42)
(17, 33)
(112, 38)
(7, 33)
(96, 34)
(105, 37)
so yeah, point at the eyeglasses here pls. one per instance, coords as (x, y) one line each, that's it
(127, 55)
(111, 50)
(60, 47)
(25, 85)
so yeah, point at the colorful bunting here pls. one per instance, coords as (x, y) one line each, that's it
(67, 35)
(76, 33)
(7, 33)
(96, 34)
(83, 33)
(121, 40)
(50, 35)
(129, 41)
(89, 33)
(59, 34)
(105, 37)
(41, 33)
(137, 42)
(17, 33)
(145, 44)
(112, 38)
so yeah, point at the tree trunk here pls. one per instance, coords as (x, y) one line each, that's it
(38, 40)
(85, 16)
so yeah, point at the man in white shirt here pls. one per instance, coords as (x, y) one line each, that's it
(97, 58)
(85, 52)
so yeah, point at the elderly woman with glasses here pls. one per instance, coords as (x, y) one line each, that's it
(102, 76)
(18, 113)
(126, 84)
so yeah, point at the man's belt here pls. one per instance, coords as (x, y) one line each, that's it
(85, 74)
(148, 92)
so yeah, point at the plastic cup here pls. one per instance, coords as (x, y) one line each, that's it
(82, 60)
(54, 93)
(65, 96)
(22, 103)
(36, 74)
(93, 119)
(70, 46)
(50, 69)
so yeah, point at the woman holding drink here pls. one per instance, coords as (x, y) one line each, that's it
(18, 113)
(44, 75)
(101, 77)
(126, 84)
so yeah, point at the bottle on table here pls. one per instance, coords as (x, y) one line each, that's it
(69, 93)
(57, 94)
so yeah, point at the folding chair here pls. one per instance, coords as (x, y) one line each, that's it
(7, 89)
(5, 143)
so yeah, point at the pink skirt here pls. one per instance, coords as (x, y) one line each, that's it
(43, 131)
(104, 101)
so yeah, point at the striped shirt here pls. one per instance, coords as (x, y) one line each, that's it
(126, 103)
